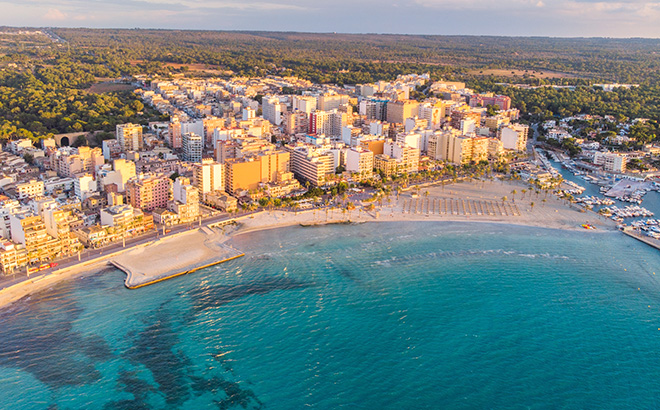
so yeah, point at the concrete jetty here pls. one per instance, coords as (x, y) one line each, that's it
(174, 256)
(646, 239)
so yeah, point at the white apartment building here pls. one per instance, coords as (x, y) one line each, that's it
(361, 161)
(192, 145)
(413, 140)
(208, 177)
(30, 189)
(514, 137)
(84, 185)
(610, 161)
(273, 109)
(306, 104)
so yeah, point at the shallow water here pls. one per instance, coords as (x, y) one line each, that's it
(383, 315)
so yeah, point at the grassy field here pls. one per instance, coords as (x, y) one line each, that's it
(521, 73)
(108, 87)
(193, 67)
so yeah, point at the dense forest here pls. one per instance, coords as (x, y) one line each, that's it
(546, 102)
(45, 80)
(30, 107)
(44, 90)
(352, 58)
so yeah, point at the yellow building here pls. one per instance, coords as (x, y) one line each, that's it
(242, 146)
(130, 137)
(222, 200)
(13, 257)
(386, 164)
(479, 148)
(245, 174)
(125, 220)
(58, 224)
(450, 145)
(31, 232)
(494, 123)
(495, 148)
(93, 236)
(375, 146)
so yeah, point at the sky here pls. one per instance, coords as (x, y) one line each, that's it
(556, 18)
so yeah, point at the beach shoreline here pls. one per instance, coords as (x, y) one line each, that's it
(552, 213)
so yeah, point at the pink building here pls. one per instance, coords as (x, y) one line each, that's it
(175, 135)
(501, 101)
(148, 192)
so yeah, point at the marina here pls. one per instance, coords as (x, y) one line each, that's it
(623, 203)
(630, 211)
(594, 200)
(620, 192)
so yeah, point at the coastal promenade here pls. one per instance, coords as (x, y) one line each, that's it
(153, 258)
(20, 284)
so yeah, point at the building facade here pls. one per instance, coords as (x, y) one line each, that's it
(130, 137)
(193, 146)
(148, 192)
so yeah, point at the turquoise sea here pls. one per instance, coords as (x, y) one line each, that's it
(373, 316)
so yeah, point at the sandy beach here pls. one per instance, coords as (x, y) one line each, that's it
(38, 283)
(480, 201)
(461, 202)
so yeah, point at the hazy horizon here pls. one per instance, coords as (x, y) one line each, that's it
(511, 18)
(330, 32)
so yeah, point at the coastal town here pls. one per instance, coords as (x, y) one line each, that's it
(286, 205)
(235, 146)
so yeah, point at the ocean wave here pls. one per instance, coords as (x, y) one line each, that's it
(465, 253)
